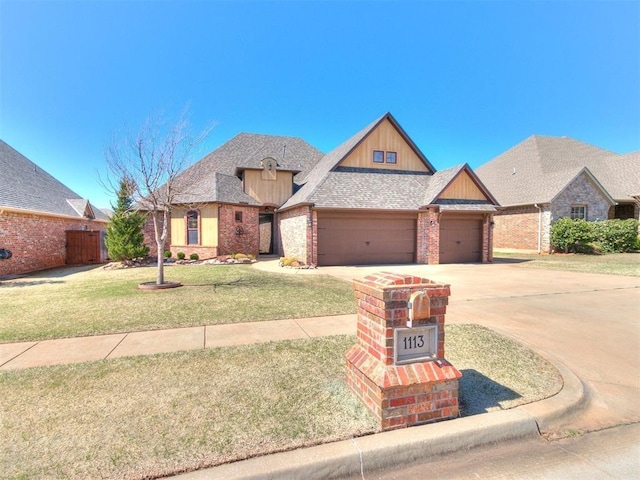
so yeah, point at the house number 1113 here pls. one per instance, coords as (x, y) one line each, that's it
(415, 344)
(414, 341)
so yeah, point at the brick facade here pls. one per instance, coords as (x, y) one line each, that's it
(428, 242)
(406, 394)
(238, 236)
(36, 241)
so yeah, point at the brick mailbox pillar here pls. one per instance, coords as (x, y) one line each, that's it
(397, 368)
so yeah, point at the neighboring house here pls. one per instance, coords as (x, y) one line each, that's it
(545, 178)
(42, 222)
(375, 199)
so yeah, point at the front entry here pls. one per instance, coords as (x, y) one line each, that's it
(266, 233)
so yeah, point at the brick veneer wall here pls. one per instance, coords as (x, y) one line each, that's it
(408, 394)
(230, 239)
(428, 244)
(149, 235)
(37, 242)
(296, 234)
(517, 228)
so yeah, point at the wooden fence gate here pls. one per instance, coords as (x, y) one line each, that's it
(83, 247)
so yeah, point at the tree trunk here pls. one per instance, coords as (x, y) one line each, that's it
(160, 277)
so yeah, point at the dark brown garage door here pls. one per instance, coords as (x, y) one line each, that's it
(460, 240)
(366, 238)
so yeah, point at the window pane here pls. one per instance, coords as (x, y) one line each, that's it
(378, 156)
(391, 157)
(193, 237)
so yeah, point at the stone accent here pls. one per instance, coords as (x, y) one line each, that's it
(407, 394)
(296, 239)
(37, 242)
(580, 191)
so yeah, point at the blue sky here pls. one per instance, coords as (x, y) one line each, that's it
(466, 80)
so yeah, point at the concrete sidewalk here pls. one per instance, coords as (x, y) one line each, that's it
(84, 349)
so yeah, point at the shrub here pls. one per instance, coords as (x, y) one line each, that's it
(571, 235)
(194, 256)
(238, 256)
(167, 254)
(251, 257)
(180, 255)
(287, 261)
(608, 236)
(615, 235)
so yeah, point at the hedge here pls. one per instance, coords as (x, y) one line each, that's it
(608, 236)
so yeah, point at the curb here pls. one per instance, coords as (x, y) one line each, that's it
(356, 457)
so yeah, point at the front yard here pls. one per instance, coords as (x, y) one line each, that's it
(79, 302)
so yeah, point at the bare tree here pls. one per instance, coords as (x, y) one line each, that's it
(155, 159)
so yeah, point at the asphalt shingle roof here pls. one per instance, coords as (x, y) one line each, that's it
(214, 175)
(540, 167)
(25, 186)
(327, 185)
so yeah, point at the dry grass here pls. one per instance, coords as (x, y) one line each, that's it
(610, 264)
(498, 372)
(79, 302)
(144, 417)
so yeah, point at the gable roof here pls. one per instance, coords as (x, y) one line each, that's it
(539, 168)
(441, 180)
(25, 186)
(213, 178)
(323, 182)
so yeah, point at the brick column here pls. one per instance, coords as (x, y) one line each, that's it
(401, 394)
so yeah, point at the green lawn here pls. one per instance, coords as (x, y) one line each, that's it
(78, 302)
(144, 417)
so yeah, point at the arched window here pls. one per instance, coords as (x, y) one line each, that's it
(193, 237)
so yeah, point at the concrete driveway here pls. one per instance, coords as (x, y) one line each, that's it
(589, 322)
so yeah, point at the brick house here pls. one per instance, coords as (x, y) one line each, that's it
(42, 222)
(545, 178)
(375, 199)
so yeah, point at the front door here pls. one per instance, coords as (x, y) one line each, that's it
(266, 233)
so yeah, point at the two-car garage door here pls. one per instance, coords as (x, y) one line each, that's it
(354, 238)
(357, 238)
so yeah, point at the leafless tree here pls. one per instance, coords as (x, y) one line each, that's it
(154, 160)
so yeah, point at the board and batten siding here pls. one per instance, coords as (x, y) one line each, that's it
(208, 225)
(273, 188)
(386, 138)
(463, 188)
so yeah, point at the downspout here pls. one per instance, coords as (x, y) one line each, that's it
(539, 227)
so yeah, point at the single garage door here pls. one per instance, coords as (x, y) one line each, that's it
(460, 239)
(366, 238)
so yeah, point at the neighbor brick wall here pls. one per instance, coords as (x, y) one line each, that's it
(581, 191)
(517, 228)
(37, 242)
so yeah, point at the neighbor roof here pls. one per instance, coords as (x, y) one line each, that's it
(245, 151)
(540, 167)
(25, 186)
